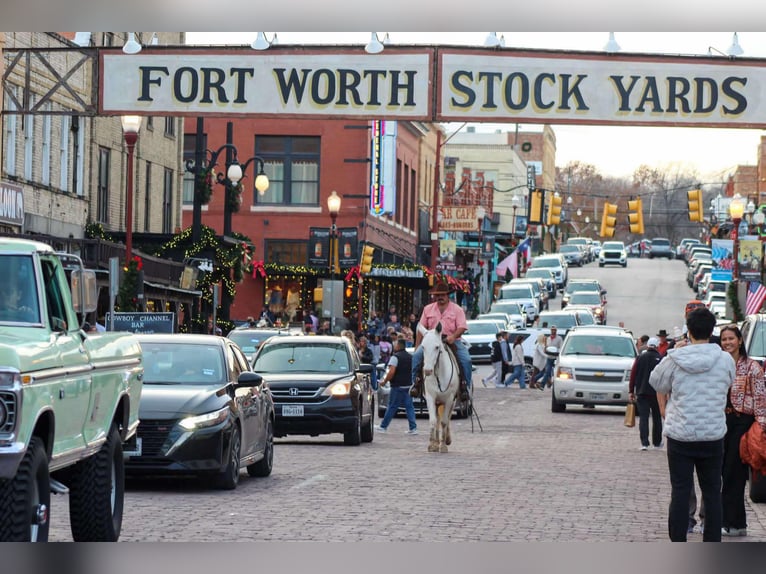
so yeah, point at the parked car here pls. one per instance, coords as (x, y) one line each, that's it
(592, 299)
(563, 320)
(202, 411)
(684, 245)
(593, 367)
(514, 309)
(319, 387)
(556, 263)
(523, 294)
(481, 334)
(249, 340)
(548, 277)
(584, 314)
(581, 285)
(586, 246)
(538, 287)
(660, 248)
(613, 253)
(573, 254)
(596, 248)
(716, 302)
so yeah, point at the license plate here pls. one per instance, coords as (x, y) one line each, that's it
(598, 396)
(292, 410)
(135, 451)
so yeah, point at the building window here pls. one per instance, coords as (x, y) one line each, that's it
(103, 184)
(167, 202)
(78, 125)
(10, 136)
(292, 166)
(29, 142)
(64, 154)
(170, 126)
(190, 141)
(286, 252)
(147, 195)
(45, 177)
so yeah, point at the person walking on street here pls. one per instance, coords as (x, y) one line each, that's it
(644, 395)
(746, 403)
(505, 350)
(696, 378)
(496, 358)
(517, 363)
(665, 344)
(453, 322)
(539, 363)
(554, 340)
(399, 375)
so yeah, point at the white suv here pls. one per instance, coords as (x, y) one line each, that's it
(522, 294)
(593, 367)
(613, 252)
(556, 263)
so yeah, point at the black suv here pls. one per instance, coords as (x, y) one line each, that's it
(660, 248)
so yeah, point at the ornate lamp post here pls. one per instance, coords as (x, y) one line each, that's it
(515, 202)
(234, 174)
(130, 127)
(333, 206)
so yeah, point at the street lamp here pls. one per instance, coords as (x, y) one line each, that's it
(130, 127)
(515, 203)
(333, 206)
(234, 175)
(736, 210)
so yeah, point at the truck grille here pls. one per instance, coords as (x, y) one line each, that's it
(9, 403)
(153, 435)
(611, 255)
(298, 394)
(590, 376)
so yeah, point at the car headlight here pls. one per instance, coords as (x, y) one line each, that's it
(598, 311)
(338, 389)
(206, 420)
(9, 379)
(566, 373)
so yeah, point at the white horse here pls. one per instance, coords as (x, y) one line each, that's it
(441, 375)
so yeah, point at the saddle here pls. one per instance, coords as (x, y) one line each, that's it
(416, 390)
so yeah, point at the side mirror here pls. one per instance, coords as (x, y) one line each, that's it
(249, 379)
(552, 351)
(365, 368)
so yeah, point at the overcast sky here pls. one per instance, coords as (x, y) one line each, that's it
(618, 151)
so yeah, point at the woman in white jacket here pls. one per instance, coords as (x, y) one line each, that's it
(539, 361)
(695, 378)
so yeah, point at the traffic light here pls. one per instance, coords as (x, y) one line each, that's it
(554, 210)
(636, 216)
(536, 204)
(696, 209)
(609, 219)
(365, 264)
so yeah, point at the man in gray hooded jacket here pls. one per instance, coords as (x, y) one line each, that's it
(696, 378)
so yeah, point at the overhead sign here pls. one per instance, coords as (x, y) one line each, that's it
(11, 203)
(459, 218)
(466, 84)
(142, 322)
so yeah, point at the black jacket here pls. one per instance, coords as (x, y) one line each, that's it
(645, 364)
(497, 353)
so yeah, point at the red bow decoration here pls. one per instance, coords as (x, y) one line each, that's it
(353, 273)
(259, 269)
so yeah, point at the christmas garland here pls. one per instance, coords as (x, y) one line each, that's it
(127, 298)
(731, 294)
(235, 198)
(206, 181)
(94, 230)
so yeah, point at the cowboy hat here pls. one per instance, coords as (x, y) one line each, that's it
(662, 333)
(439, 288)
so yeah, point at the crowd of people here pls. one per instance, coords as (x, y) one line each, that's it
(702, 394)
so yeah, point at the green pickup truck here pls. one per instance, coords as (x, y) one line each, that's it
(68, 399)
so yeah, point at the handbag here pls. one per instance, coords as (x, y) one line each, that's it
(752, 448)
(630, 414)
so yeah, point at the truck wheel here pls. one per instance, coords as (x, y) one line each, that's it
(25, 499)
(229, 478)
(97, 492)
(556, 406)
(263, 467)
(354, 436)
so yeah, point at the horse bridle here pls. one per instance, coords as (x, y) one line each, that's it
(436, 370)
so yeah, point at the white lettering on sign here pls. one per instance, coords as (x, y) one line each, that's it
(11, 204)
(462, 218)
(246, 83)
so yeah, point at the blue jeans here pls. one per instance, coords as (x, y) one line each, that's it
(462, 355)
(683, 458)
(399, 396)
(518, 373)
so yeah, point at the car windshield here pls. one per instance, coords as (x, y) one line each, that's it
(249, 340)
(613, 246)
(573, 286)
(545, 263)
(506, 307)
(542, 273)
(586, 317)
(660, 243)
(562, 320)
(589, 298)
(299, 357)
(515, 293)
(481, 328)
(18, 300)
(569, 248)
(587, 344)
(182, 363)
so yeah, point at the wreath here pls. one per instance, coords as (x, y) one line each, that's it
(206, 181)
(235, 198)
(526, 146)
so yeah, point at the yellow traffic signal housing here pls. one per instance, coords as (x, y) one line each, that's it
(636, 216)
(608, 219)
(554, 210)
(696, 209)
(536, 204)
(365, 265)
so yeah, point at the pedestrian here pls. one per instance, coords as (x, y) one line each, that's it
(644, 395)
(399, 375)
(505, 350)
(665, 344)
(406, 331)
(453, 322)
(746, 403)
(394, 324)
(366, 357)
(641, 343)
(696, 378)
(325, 328)
(517, 363)
(496, 358)
(539, 363)
(554, 340)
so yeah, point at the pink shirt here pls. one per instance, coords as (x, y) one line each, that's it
(452, 319)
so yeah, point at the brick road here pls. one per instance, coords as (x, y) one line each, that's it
(531, 475)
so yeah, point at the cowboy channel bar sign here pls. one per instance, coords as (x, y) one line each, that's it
(431, 83)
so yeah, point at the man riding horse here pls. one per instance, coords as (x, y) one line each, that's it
(452, 318)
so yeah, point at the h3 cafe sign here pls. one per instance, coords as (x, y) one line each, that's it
(431, 83)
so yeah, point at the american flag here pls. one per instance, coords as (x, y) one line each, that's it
(756, 293)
